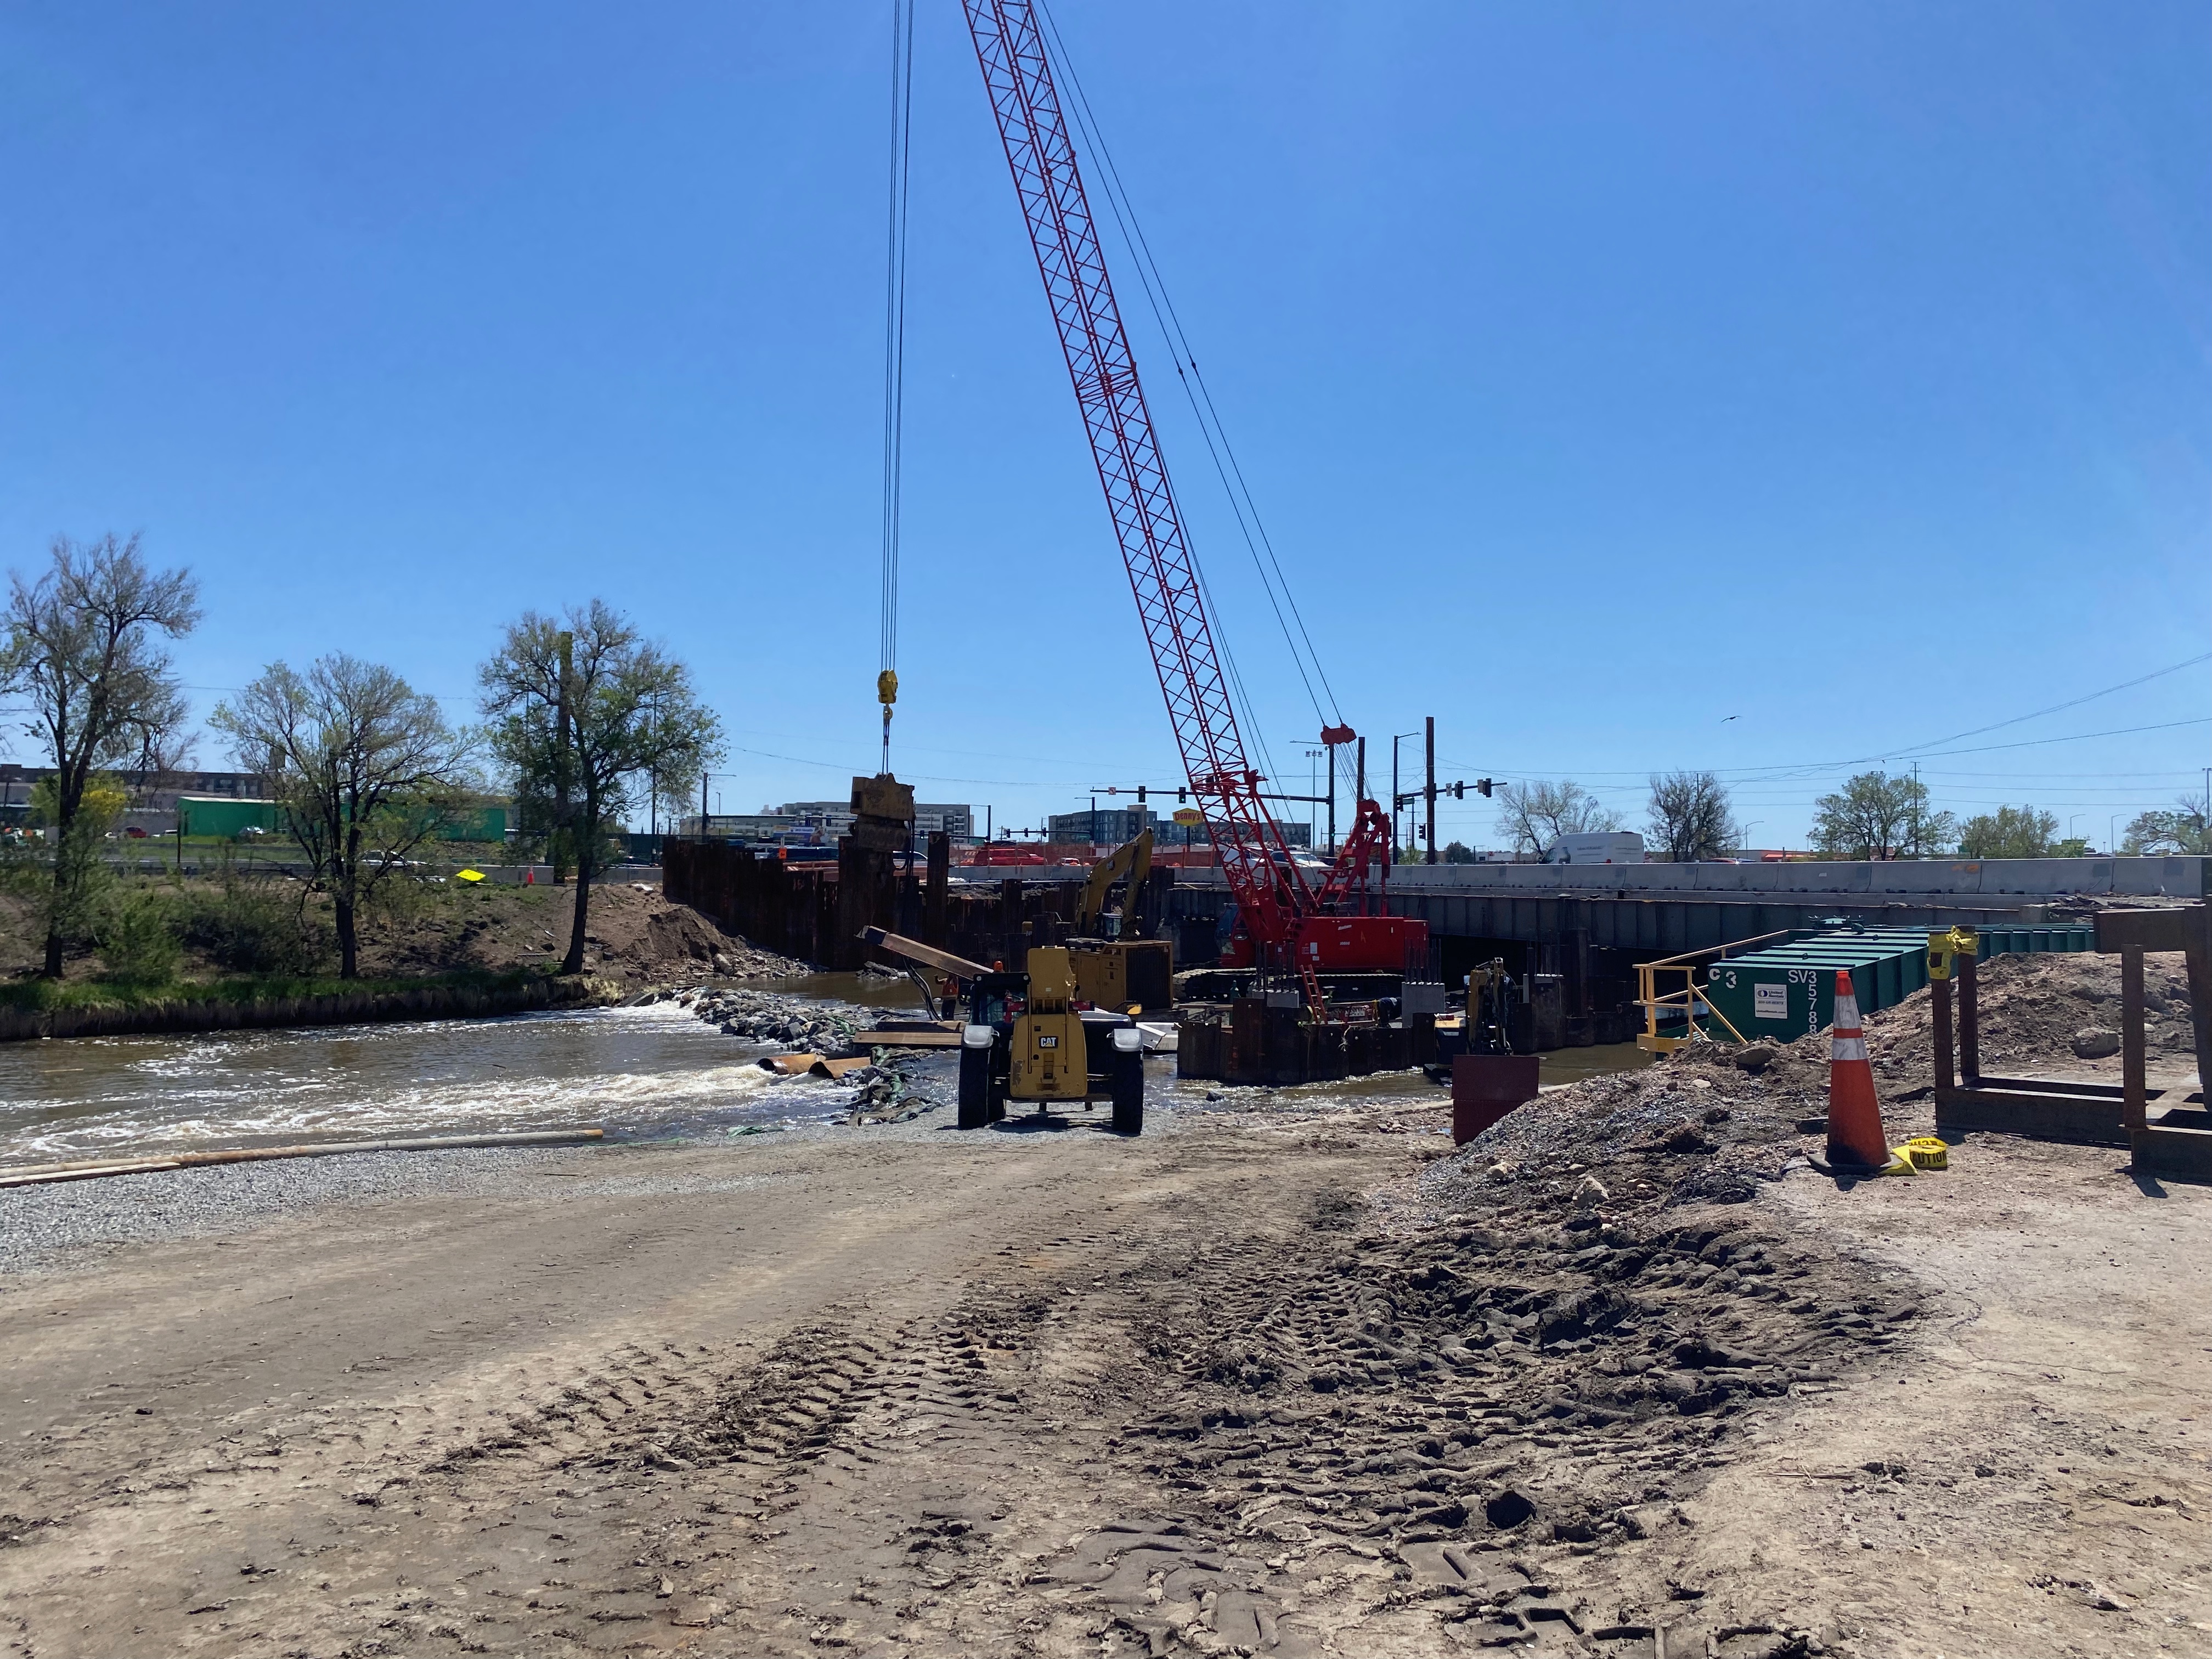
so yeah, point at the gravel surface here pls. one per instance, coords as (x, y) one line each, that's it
(40, 1224)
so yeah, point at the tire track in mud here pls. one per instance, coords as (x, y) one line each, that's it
(1155, 1435)
(1280, 1445)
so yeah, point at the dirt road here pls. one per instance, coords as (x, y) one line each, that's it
(1238, 1385)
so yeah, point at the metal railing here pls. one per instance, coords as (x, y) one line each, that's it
(1685, 1003)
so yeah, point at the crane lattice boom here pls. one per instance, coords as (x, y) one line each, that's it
(1271, 892)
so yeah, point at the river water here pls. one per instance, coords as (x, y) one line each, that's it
(633, 1072)
(630, 1071)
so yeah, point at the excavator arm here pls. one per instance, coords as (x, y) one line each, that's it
(1132, 860)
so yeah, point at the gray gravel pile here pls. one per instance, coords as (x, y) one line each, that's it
(1696, 1128)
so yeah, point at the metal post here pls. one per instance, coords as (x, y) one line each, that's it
(1970, 1024)
(1331, 803)
(2134, 1095)
(1431, 790)
(1946, 1055)
(1390, 853)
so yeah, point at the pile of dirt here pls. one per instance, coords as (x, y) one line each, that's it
(633, 934)
(2051, 1009)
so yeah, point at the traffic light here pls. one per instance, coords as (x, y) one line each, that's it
(1141, 794)
(1484, 785)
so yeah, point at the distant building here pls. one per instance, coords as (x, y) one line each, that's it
(835, 818)
(1107, 826)
(148, 790)
(819, 823)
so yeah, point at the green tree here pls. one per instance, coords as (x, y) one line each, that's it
(84, 645)
(2010, 832)
(2180, 831)
(1536, 813)
(1689, 817)
(1876, 815)
(1458, 852)
(363, 768)
(586, 714)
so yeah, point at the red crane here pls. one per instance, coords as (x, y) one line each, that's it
(1292, 925)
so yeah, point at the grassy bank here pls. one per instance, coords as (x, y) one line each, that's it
(40, 995)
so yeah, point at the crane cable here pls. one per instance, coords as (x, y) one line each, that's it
(895, 356)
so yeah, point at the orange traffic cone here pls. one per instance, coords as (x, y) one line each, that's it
(529, 877)
(1855, 1133)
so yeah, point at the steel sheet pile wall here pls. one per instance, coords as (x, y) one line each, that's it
(1249, 1043)
(793, 909)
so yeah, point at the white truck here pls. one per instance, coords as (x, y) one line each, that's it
(1597, 847)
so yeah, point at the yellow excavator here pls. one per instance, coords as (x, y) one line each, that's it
(1114, 968)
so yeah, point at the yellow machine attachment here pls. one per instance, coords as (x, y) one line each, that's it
(1120, 973)
(1132, 860)
(1124, 973)
(1048, 1061)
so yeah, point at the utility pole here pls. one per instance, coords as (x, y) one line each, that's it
(1391, 858)
(1430, 791)
(702, 807)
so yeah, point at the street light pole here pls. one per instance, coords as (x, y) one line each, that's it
(1394, 803)
(1430, 789)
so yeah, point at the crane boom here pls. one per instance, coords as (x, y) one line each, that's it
(1271, 891)
(1290, 925)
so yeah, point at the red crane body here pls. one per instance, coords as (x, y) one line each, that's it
(1277, 907)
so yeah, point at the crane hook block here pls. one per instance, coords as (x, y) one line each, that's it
(887, 687)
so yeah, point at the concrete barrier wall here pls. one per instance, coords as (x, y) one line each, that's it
(2025, 879)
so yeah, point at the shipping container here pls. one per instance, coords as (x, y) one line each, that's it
(1787, 991)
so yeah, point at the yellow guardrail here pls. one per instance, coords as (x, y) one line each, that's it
(1685, 1003)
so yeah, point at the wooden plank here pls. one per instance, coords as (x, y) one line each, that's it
(2150, 930)
(2133, 1090)
(2185, 1154)
(925, 956)
(906, 1039)
(2080, 1119)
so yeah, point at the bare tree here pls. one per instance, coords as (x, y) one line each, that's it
(587, 714)
(1689, 817)
(84, 643)
(1536, 813)
(363, 768)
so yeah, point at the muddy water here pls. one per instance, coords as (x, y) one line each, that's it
(631, 1071)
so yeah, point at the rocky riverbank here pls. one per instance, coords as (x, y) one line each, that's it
(896, 1087)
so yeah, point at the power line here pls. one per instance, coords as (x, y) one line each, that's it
(2075, 703)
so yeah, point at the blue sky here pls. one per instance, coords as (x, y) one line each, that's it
(1603, 373)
